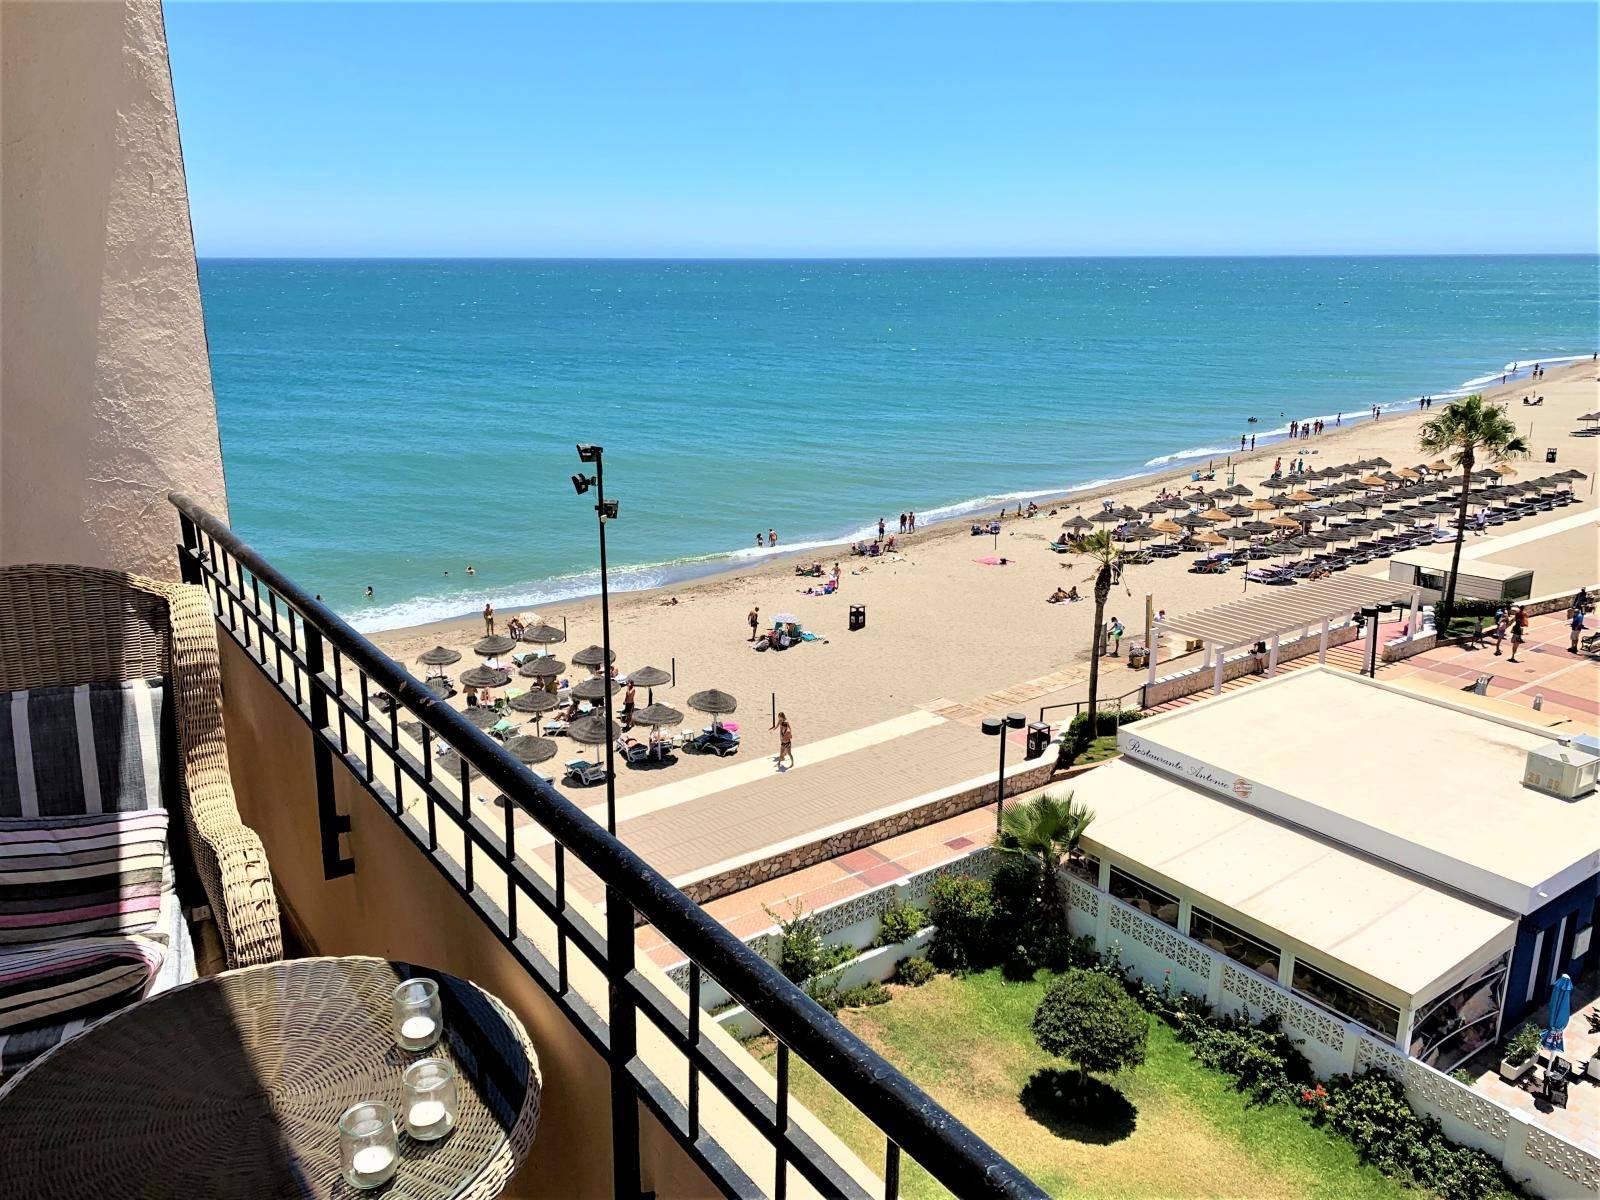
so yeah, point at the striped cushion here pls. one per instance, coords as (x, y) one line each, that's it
(72, 877)
(90, 748)
(80, 979)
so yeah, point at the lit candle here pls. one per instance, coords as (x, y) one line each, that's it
(371, 1162)
(418, 1029)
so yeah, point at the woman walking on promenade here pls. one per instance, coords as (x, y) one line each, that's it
(785, 741)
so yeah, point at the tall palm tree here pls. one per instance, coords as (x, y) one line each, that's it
(1466, 430)
(1099, 549)
(1048, 828)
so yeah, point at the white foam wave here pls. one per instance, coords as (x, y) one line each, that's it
(1162, 460)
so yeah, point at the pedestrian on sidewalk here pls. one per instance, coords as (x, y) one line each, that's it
(785, 741)
(1575, 624)
(1519, 626)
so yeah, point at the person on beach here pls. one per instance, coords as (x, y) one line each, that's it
(1115, 632)
(755, 621)
(628, 701)
(911, 522)
(880, 529)
(835, 576)
(471, 570)
(1519, 626)
(369, 591)
(1252, 441)
(1338, 418)
(488, 620)
(902, 522)
(761, 541)
(785, 741)
(772, 540)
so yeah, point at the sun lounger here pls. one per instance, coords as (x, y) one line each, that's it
(587, 773)
(632, 751)
(719, 742)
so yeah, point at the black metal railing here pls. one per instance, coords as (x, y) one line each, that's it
(332, 677)
(1102, 703)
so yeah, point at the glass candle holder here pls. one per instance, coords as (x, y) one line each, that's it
(417, 1020)
(430, 1102)
(369, 1146)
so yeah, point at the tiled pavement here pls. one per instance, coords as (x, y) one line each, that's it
(689, 839)
(1579, 1120)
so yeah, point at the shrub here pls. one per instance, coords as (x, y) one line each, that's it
(864, 996)
(914, 972)
(899, 922)
(1263, 1060)
(802, 954)
(962, 909)
(1079, 733)
(1089, 1020)
(1523, 1046)
(1371, 1110)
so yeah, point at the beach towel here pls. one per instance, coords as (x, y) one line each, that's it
(992, 561)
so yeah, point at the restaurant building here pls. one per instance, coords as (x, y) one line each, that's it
(1328, 839)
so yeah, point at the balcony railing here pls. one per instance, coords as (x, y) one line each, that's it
(332, 676)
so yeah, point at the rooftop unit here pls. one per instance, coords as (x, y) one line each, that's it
(1562, 769)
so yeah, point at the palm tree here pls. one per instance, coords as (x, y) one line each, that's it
(1099, 549)
(1465, 430)
(1048, 828)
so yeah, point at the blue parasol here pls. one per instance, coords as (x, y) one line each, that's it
(1553, 1037)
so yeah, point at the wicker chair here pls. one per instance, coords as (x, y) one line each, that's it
(70, 625)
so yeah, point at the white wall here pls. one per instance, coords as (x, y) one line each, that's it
(105, 385)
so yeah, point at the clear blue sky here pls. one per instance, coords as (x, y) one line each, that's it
(773, 130)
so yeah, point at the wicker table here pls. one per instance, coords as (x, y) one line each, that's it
(232, 1086)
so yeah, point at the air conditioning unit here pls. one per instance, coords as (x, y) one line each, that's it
(1562, 769)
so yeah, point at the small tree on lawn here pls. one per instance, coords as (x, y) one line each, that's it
(1088, 1019)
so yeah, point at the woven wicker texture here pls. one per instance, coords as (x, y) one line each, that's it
(232, 1087)
(68, 625)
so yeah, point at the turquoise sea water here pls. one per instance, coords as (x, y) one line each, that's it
(384, 422)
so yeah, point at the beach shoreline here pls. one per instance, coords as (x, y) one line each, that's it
(1177, 469)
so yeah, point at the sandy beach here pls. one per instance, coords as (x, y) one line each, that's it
(942, 625)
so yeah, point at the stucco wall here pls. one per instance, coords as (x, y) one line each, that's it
(105, 387)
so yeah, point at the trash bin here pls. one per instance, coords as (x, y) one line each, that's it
(1038, 739)
(1550, 454)
(858, 616)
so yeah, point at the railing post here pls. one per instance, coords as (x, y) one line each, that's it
(623, 1018)
(188, 568)
(330, 820)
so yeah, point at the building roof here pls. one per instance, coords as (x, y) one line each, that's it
(1433, 787)
(1391, 928)
(1281, 609)
(1434, 560)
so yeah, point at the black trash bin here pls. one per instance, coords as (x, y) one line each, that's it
(1038, 739)
(858, 616)
(1550, 454)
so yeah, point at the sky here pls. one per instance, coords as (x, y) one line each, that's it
(841, 130)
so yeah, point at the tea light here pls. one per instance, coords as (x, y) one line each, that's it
(431, 1101)
(370, 1162)
(417, 1019)
(369, 1148)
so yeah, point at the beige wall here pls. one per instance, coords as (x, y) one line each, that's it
(105, 387)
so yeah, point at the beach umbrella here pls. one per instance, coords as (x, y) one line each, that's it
(1284, 523)
(1239, 489)
(1260, 505)
(449, 762)
(593, 656)
(1106, 515)
(542, 666)
(1300, 497)
(1379, 462)
(592, 730)
(494, 644)
(1254, 528)
(1154, 507)
(1216, 516)
(438, 685)
(1076, 522)
(543, 635)
(1408, 473)
(1164, 526)
(649, 678)
(1573, 473)
(1137, 533)
(1321, 513)
(1560, 1012)
(1192, 521)
(1372, 481)
(714, 702)
(657, 714)
(1210, 539)
(439, 656)
(1125, 513)
(1275, 484)
(485, 677)
(1177, 504)
(1236, 511)
(530, 750)
(535, 702)
(1310, 541)
(595, 688)
(1220, 494)
(481, 716)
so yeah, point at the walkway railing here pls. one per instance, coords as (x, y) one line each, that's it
(1102, 703)
(332, 676)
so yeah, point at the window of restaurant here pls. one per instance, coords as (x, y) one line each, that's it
(1146, 897)
(1085, 866)
(1261, 957)
(1346, 1000)
(1452, 1027)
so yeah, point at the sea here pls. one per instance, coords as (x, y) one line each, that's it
(388, 423)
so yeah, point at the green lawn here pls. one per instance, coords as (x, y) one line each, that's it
(1179, 1129)
(1102, 748)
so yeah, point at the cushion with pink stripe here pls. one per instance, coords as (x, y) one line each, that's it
(74, 877)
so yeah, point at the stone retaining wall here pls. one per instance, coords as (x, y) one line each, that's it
(1200, 678)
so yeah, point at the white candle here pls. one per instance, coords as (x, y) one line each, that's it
(424, 1115)
(371, 1160)
(417, 1029)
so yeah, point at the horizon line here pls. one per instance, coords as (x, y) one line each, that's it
(1595, 253)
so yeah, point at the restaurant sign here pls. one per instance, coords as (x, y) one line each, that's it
(1196, 772)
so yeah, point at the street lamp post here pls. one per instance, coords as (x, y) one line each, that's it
(996, 727)
(605, 511)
